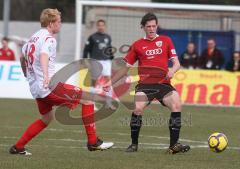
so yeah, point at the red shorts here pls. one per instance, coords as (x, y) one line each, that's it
(63, 94)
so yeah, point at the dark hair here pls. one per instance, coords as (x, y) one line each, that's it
(101, 20)
(191, 43)
(148, 17)
(5, 39)
(211, 38)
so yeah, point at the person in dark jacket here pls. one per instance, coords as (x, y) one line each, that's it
(189, 59)
(98, 47)
(211, 57)
(234, 64)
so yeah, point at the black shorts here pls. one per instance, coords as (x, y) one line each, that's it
(155, 91)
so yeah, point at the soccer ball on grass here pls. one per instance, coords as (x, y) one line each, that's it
(217, 142)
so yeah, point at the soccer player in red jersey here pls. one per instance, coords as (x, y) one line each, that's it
(5, 52)
(153, 53)
(38, 64)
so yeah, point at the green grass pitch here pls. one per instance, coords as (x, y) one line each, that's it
(64, 147)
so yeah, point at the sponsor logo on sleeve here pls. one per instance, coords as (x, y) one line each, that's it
(173, 51)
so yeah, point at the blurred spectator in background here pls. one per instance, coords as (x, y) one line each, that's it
(234, 64)
(97, 47)
(189, 59)
(5, 52)
(211, 58)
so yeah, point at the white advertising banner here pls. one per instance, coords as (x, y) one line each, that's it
(13, 84)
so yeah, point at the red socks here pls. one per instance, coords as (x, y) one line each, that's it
(89, 123)
(34, 129)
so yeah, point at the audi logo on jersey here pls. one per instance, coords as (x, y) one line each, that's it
(153, 52)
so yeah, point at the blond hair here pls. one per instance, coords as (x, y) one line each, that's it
(48, 15)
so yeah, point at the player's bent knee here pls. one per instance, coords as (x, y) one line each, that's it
(47, 118)
(46, 121)
(176, 107)
(138, 110)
